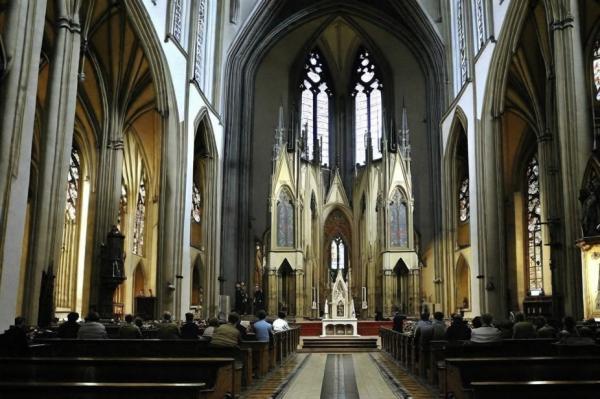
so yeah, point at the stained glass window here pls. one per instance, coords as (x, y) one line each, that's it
(285, 220)
(596, 67)
(338, 254)
(398, 220)
(479, 24)
(177, 10)
(314, 114)
(367, 106)
(534, 226)
(122, 207)
(196, 204)
(73, 185)
(140, 218)
(461, 42)
(464, 207)
(199, 51)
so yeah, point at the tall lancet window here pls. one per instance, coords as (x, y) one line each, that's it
(338, 254)
(285, 220)
(460, 43)
(122, 208)
(534, 227)
(596, 69)
(67, 267)
(464, 207)
(368, 112)
(479, 24)
(73, 185)
(314, 113)
(140, 218)
(196, 204)
(398, 220)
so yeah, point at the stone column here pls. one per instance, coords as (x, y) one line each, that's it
(300, 293)
(23, 33)
(55, 155)
(387, 292)
(108, 188)
(574, 137)
(272, 307)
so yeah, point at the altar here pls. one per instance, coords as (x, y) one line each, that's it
(342, 320)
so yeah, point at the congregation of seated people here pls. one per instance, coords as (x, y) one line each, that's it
(221, 333)
(484, 329)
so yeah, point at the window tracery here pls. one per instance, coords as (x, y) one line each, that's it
(461, 42)
(338, 254)
(534, 227)
(596, 69)
(314, 114)
(140, 218)
(73, 185)
(367, 107)
(122, 207)
(479, 24)
(196, 204)
(398, 220)
(464, 206)
(199, 50)
(285, 220)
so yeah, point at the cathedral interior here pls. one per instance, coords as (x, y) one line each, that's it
(219, 156)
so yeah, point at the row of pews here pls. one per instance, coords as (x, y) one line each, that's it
(141, 368)
(525, 368)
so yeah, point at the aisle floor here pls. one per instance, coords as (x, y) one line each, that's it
(339, 376)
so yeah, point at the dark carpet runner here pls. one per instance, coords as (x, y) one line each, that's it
(339, 381)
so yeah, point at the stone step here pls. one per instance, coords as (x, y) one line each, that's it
(310, 344)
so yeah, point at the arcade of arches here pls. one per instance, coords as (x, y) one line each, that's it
(435, 153)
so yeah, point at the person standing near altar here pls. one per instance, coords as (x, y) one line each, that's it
(259, 299)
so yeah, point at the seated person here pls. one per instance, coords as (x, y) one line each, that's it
(262, 328)
(280, 324)
(167, 329)
(14, 341)
(69, 328)
(458, 330)
(129, 330)
(189, 329)
(92, 328)
(213, 323)
(544, 329)
(439, 326)
(423, 331)
(227, 335)
(523, 328)
(487, 332)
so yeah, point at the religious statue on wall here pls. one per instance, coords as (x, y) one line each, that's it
(258, 264)
(589, 197)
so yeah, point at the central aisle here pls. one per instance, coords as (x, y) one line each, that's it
(339, 375)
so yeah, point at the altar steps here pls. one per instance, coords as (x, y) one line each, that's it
(351, 344)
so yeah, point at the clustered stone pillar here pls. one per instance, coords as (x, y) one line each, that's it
(575, 140)
(56, 142)
(23, 33)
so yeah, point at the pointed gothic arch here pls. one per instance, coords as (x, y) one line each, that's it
(462, 289)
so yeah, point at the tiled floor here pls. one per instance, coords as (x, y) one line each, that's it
(333, 376)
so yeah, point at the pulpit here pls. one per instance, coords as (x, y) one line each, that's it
(111, 271)
(342, 320)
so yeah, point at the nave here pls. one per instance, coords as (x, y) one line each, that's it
(361, 375)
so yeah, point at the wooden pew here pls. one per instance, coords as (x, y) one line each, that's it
(440, 350)
(532, 389)
(260, 356)
(217, 373)
(101, 390)
(143, 347)
(461, 373)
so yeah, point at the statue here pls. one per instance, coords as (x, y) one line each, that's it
(589, 196)
(258, 264)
